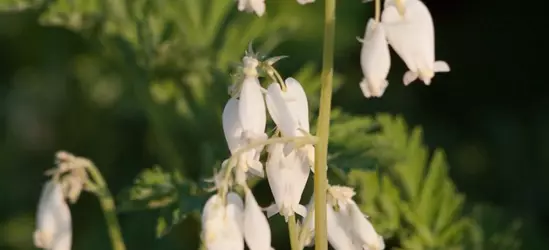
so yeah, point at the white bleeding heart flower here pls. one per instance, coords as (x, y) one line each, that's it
(348, 227)
(257, 232)
(359, 229)
(412, 37)
(236, 139)
(257, 6)
(290, 111)
(305, 1)
(222, 225)
(245, 119)
(338, 236)
(287, 177)
(53, 223)
(375, 60)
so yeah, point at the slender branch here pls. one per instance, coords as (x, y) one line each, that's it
(109, 210)
(303, 234)
(378, 10)
(254, 144)
(294, 234)
(320, 179)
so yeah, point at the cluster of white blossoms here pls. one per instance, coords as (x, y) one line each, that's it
(227, 220)
(407, 26)
(53, 221)
(258, 6)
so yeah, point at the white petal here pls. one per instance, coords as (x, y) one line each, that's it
(223, 225)
(257, 232)
(53, 222)
(441, 66)
(297, 177)
(280, 111)
(338, 236)
(412, 37)
(251, 107)
(231, 125)
(298, 105)
(305, 1)
(375, 60)
(287, 178)
(257, 6)
(362, 230)
(275, 177)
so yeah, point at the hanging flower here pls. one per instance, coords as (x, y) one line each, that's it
(348, 227)
(257, 6)
(305, 1)
(338, 235)
(245, 119)
(53, 223)
(346, 212)
(375, 60)
(290, 111)
(257, 232)
(287, 177)
(412, 37)
(222, 224)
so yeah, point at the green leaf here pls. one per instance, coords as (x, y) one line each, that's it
(152, 189)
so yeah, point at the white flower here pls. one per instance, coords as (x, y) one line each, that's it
(257, 233)
(235, 136)
(359, 229)
(222, 226)
(348, 228)
(290, 111)
(53, 223)
(375, 60)
(257, 6)
(412, 37)
(245, 119)
(305, 1)
(287, 177)
(338, 235)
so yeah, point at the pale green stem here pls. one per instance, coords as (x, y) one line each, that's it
(323, 127)
(275, 76)
(305, 231)
(294, 234)
(378, 10)
(109, 210)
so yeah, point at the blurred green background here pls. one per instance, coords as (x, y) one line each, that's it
(133, 84)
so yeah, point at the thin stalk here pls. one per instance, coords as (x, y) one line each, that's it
(294, 234)
(231, 162)
(323, 126)
(109, 210)
(378, 10)
(305, 231)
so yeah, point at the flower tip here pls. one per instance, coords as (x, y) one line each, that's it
(275, 59)
(250, 50)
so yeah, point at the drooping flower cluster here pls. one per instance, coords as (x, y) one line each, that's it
(53, 221)
(258, 6)
(228, 222)
(407, 26)
(288, 164)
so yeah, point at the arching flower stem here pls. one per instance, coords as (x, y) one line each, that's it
(254, 144)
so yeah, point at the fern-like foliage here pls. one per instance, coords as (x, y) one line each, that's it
(410, 197)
